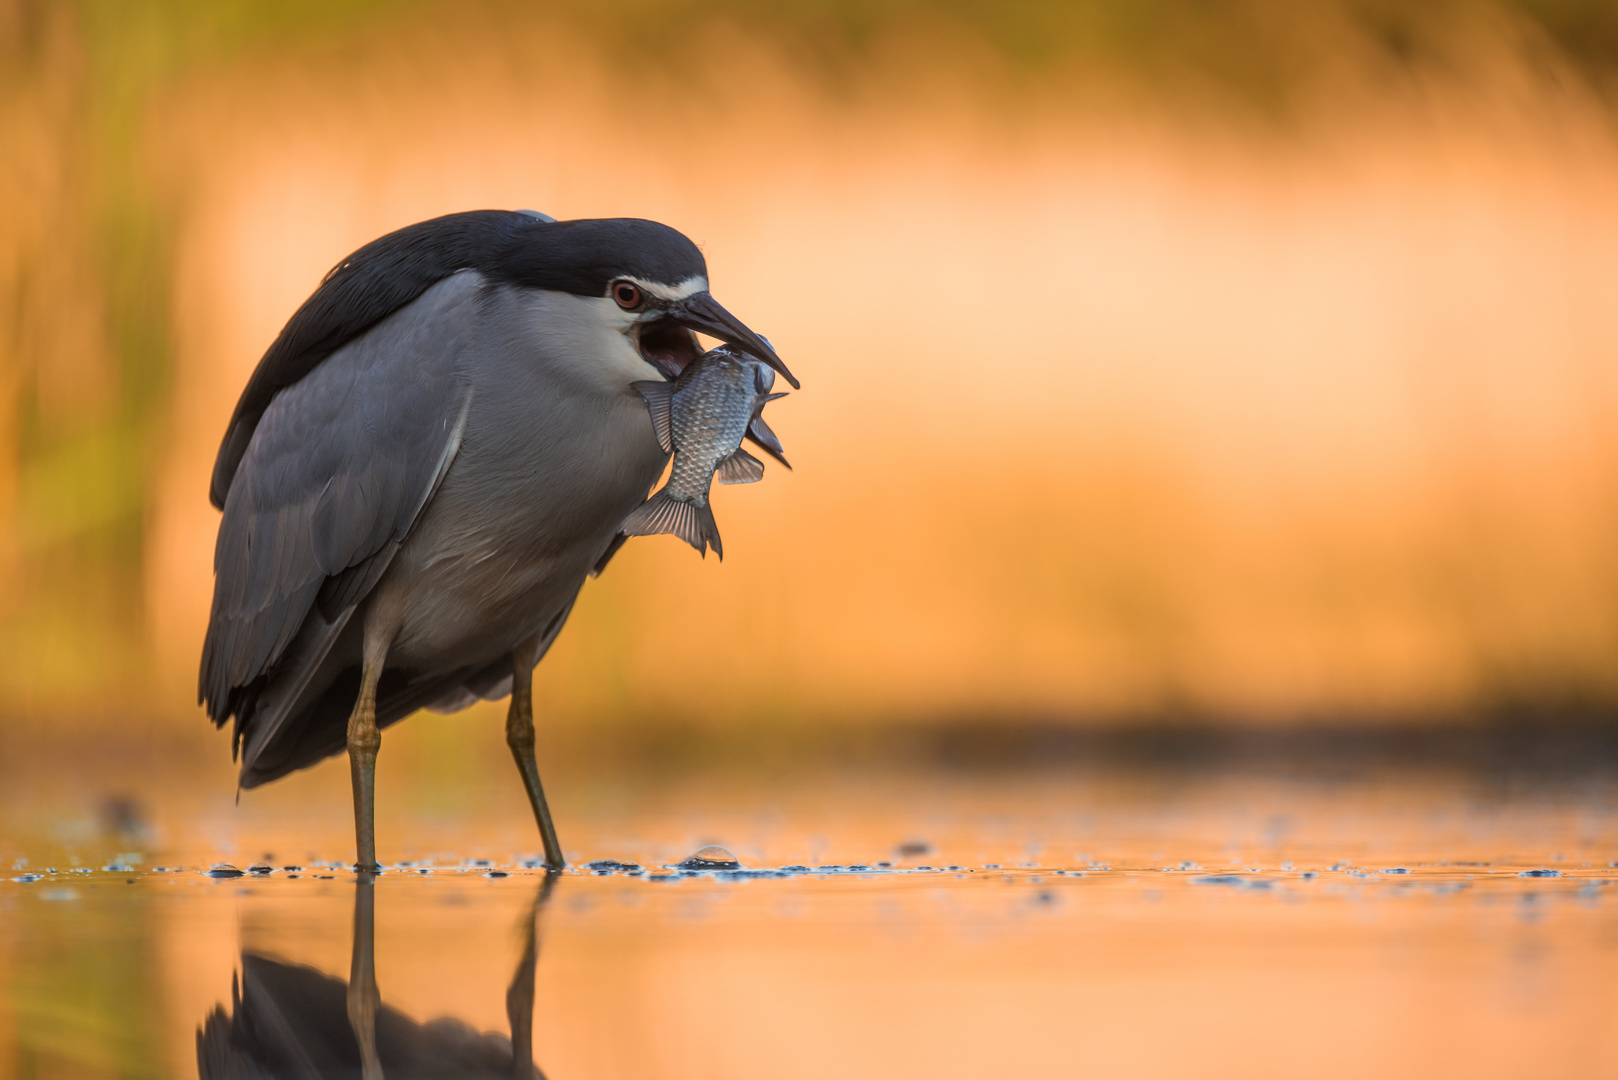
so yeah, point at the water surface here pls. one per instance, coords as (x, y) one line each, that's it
(1078, 918)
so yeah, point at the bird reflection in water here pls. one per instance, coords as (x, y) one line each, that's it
(288, 1020)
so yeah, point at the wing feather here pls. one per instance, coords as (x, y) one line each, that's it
(379, 279)
(339, 467)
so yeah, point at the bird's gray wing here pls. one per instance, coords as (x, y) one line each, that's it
(339, 468)
(374, 282)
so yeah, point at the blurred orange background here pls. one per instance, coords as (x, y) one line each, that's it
(1246, 362)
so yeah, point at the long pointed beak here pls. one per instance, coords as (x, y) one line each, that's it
(703, 313)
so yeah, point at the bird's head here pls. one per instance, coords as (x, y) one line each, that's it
(649, 282)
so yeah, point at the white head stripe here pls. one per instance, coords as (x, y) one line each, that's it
(689, 287)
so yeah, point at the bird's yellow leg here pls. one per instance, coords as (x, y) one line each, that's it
(520, 737)
(364, 999)
(364, 740)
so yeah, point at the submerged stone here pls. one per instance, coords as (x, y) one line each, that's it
(223, 870)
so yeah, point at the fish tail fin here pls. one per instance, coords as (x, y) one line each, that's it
(710, 529)
(663, 513)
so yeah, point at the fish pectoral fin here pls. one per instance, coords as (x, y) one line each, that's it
(659, 397)
(663, 513)
(740, 468)
(765, 439)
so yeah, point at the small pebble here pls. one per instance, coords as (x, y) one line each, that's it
(610, 865)
(1233, 879)
(712, 857)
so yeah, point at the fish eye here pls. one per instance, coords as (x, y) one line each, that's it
(627, 293)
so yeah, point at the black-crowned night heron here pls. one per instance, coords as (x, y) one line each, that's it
(434, 454)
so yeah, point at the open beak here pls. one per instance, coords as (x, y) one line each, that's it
(701, 312)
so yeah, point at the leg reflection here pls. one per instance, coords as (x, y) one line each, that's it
(364, 999)
(520, 994)
(290, 1020)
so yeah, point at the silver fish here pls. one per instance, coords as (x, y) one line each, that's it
(702, 416)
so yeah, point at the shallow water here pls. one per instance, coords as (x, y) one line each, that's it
(1055, 920)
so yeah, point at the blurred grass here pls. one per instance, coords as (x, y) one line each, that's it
(85, 350)
(87, 234)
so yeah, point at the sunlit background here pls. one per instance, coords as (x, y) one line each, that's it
(1249, 362)
(1174, 371)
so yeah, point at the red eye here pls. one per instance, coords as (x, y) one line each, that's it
(627, 293)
